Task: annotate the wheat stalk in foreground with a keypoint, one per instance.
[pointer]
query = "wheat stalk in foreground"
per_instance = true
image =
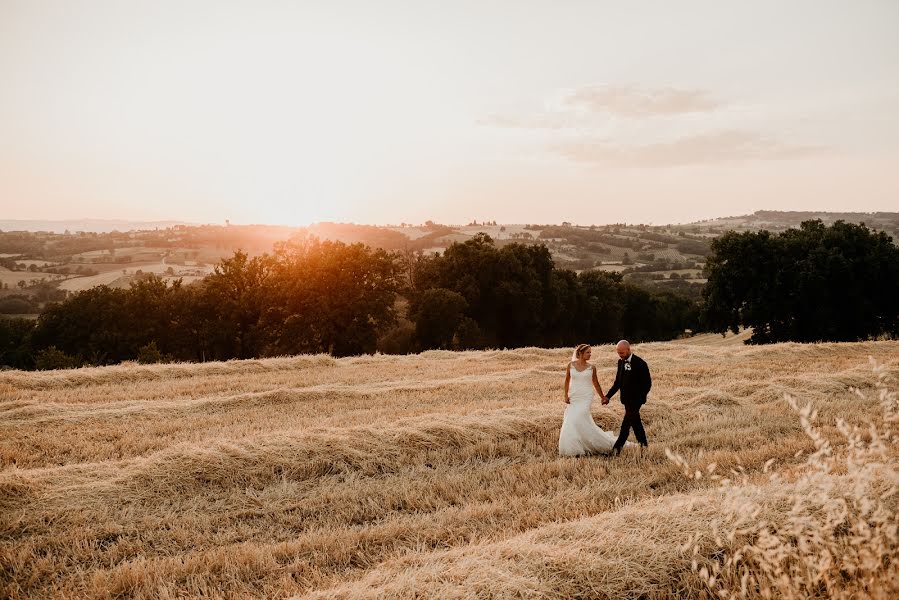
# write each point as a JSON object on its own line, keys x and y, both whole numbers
{"x": 830, "y": 533}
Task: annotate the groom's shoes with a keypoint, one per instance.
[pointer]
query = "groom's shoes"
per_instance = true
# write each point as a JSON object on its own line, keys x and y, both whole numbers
{"x": 616, "y": 451}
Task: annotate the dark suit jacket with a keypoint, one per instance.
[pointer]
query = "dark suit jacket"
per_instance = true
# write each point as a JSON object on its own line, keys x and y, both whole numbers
{"x": 634, "y": 384}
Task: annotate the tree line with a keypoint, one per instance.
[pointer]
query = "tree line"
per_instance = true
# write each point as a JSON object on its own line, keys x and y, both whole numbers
{"x": 311, "y": 296}
{"x": 815, "y": 283}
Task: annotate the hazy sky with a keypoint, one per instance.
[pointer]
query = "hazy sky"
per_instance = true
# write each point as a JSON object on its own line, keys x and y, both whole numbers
{"x": 373, "y": 111}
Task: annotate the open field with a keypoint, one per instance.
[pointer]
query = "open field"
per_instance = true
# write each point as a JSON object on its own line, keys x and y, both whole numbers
{"x": 413, "y": 233}
{"x": 12, "y": 278}
{"x": 30, "y": 317}
{"x": 432, "y": 475}
{"x": 124, "y": 273}
{"x": 137, "y": 253}
{"x": 37, "y": 263}
{"x": 497, "y": 232}
{"x": 110, "y": 278}
{"x": 610, "y": 268}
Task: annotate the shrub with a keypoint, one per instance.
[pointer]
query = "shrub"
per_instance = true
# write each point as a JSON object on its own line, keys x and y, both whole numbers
{"x": 468, "y": 335}
{"x": 51, "y": 358}
{"x": 16, "y": 306}
{"x": 150, "y": 354}
{"x": 398, "y": 340}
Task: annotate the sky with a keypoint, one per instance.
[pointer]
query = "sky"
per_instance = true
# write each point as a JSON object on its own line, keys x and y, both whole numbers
{"x": 387, "y": 112}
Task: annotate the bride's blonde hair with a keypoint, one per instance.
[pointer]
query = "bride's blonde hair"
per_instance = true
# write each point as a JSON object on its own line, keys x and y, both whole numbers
{"x": 578, "y": 351}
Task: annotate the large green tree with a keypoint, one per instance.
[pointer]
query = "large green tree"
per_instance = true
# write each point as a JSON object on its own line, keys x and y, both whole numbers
{"x": 15, "y": 343}
{"x": 508, "y": 289}
{"x": 815, "y": 283}
{"x": 330, "y": 297}
{"x": 231, "y": 306}
{"x": 438, "y": 314}
{"x": 607, "y": 306}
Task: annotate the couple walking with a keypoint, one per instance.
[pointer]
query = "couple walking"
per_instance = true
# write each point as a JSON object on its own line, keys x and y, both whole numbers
{"x": 579, "y": 434}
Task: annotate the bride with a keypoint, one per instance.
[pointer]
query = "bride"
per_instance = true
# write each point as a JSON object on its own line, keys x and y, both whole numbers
{"x": 579, "y": 434}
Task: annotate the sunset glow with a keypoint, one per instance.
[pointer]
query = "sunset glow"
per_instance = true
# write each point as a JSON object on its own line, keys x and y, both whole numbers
{"x": 290, "y": 113}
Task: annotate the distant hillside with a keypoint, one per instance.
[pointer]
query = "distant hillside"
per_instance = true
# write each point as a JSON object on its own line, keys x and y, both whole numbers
{"x": 37, "y": 256}
{"x": 92, "y": 225}
{"x": 774, "y": 220}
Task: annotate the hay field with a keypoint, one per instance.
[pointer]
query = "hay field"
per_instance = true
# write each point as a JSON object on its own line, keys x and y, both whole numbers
{"x": 437, "y": 475}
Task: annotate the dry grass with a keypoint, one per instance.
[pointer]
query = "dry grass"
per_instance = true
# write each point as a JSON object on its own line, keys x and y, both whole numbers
{"x": 436, "y": 475}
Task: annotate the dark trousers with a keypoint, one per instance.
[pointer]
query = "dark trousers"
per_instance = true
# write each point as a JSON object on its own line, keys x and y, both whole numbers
{"x": 631, "y": 419}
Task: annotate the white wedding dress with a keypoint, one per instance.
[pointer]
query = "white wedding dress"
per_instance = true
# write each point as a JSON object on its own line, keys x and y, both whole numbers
{"x": 579, "y": 434}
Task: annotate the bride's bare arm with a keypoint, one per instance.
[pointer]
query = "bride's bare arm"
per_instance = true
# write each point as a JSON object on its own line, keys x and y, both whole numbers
{"x": 597, "y": 386}
{"x": 567, "y": 382}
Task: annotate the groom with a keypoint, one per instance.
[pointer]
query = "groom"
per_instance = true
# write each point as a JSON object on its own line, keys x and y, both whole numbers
{"x": 634, "y": 381}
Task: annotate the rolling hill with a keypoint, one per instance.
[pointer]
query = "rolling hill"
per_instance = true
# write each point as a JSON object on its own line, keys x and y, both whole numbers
{"x": 650, "y": 255}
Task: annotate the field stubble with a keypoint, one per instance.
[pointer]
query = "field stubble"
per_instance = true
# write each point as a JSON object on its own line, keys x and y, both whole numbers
{"x": 427, "y": 475}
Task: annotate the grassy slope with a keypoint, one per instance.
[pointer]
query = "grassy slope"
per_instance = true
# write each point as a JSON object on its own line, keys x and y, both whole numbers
{"x": 381, "y": 476}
